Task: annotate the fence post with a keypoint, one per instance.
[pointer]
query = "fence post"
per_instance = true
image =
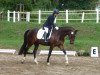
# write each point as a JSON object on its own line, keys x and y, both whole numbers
{"x": 28, "y": 16}
{"x": 18, "y": 15}
{"x": 66, "y": 16}
{"x": 14, "y": 16}
{"x": 8, "y": 16}
{"x": 97, "y": 17}
{"x": 82, "y": 17}
{"x": 39, "y": 18}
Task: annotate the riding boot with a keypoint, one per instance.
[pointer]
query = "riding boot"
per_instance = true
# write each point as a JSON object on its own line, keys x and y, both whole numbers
{"x": 45, "y": 37}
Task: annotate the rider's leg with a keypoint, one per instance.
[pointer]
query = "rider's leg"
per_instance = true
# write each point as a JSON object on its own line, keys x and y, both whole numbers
{"x": 45, "y": 34}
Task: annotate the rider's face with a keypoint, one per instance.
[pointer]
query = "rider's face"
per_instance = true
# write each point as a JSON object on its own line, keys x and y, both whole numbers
{"x": 56, "y": 14}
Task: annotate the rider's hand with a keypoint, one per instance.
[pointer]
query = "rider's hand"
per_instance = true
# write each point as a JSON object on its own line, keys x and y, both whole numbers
{"x": 56, "y": 28}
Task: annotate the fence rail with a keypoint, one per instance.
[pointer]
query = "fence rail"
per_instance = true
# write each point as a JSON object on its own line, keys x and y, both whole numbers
{"x": 17, "y": 15}
{"x": 66, "y": 16}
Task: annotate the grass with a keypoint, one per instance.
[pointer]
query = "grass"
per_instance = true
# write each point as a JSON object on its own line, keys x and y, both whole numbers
{"x": 11, "y": 35}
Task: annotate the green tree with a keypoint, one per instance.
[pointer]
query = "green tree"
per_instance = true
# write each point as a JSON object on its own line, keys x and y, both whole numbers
{"x": 45, "y": 4}
{"x": 77, "y": 4}
{"x": 11, "y": 4}
{"x": 49, "y": 4}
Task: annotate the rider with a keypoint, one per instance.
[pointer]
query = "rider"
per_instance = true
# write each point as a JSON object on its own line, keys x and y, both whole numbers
{"x": 49, "y": 24}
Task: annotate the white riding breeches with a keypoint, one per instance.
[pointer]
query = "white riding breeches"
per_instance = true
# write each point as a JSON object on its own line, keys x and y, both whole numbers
{"x": 46, "y": 29}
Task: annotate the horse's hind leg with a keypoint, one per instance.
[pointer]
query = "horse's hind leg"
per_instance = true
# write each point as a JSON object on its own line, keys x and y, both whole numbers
{"x": 25, "y": 52}
{"x": 34, "y": 53}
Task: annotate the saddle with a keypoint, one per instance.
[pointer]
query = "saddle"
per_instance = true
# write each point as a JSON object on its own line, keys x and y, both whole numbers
{"x": 40, "y": 34}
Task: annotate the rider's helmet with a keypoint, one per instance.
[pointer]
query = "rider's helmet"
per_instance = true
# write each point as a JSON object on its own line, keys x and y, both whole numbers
{"x": 55, "y": 11}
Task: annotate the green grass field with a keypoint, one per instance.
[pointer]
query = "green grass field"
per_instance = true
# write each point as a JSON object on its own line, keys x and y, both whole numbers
{"x": 11, "y": 35}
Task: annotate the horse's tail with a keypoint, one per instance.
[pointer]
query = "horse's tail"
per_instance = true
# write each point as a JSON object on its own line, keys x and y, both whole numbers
{"x": 21, "y": 51}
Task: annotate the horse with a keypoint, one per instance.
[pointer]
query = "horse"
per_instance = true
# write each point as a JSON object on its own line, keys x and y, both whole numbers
{"x": 56, "y": 40}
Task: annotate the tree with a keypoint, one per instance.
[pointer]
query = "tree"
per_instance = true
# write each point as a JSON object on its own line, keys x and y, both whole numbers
{"x": 45, "y": 4}
{"x": 77, "y": 4}
{"x": 11, "y": 4}
{"x": 49, "y": 4}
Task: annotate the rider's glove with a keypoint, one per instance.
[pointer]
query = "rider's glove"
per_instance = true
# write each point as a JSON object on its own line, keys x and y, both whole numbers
{"x": 56, "y": 28}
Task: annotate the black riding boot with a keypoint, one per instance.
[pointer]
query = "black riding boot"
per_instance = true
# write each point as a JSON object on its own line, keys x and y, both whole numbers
{"x": 45, "y": 37}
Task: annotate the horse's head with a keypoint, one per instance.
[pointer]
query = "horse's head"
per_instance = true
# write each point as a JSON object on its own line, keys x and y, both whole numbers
{"x": 72, "y": 35}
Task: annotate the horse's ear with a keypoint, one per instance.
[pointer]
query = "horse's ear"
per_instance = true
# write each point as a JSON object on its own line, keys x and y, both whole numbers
{"x": 76, "y": 31}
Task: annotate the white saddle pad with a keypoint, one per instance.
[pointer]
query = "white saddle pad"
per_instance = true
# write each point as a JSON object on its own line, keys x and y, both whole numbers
{"x": 41, "y": 33}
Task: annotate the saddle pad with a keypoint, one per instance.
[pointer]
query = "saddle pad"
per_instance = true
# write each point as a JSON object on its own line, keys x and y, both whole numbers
{"x": 40, "y": 34}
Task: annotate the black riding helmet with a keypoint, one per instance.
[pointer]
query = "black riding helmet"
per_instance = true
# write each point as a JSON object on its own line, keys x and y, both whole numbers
{"x": 55, "y": 11}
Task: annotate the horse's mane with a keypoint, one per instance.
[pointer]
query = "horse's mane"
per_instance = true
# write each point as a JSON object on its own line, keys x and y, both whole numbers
{"x": 67, "y": 27}
{"x": 63, "y": 31}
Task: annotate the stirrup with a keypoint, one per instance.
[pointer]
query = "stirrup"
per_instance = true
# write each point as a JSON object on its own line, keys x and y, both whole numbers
{"x": 45, "y": 40}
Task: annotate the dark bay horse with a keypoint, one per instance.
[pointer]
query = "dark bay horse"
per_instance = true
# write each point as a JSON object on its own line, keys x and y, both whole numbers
{"x": 57, "y": 39}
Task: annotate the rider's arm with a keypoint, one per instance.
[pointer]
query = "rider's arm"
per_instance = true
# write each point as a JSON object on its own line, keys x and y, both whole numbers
{"x": 51, "y": 20}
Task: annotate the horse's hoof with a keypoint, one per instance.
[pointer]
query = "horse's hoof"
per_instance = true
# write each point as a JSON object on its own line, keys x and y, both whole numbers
{"x": 66, "y": 63}
{"x": 22, "y": 62}
{"x": 48, "y": 64}
{"x": 35, "y": 60}
{"x": 37, "y": 63}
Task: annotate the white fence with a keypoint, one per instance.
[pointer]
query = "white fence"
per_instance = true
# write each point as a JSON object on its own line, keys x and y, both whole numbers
{"x": 16, "y": 16}
{"x": 55, "y": 52}
{"x": 65, "y": 16}
{"x": 8, "y": 51}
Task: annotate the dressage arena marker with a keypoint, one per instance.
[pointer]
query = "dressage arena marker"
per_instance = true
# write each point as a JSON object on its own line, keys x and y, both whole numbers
{"x": 74, "y": 53}
{"x": 8, "y": 51}
{"x": 94, "y": 52}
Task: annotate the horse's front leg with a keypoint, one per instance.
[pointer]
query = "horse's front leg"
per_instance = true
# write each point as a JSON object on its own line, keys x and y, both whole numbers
{"x": 34, "y": 53}
{"x": 66, "y": 57}
{"x": 49, "y": 54}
